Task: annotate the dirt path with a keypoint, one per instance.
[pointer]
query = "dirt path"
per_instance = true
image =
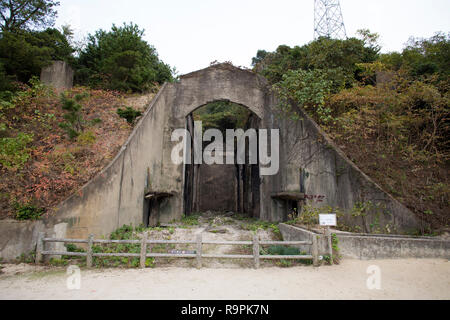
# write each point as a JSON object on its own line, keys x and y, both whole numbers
{"x": 400, "y": 279}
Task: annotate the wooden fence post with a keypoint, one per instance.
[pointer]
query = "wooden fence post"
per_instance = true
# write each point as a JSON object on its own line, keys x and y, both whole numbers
{"x": 330, "y": 245}
{"x": 199, "y": 251}
{"x": 40, "y": 247}
{"x": 256, "y": 250}
{"x": 315, "y": 251}
{"x": 89, "y": 251}
{"x": 144, "y": 250}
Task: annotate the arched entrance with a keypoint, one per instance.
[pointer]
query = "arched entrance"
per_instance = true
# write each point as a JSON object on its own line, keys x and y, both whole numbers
{"x": 222, "y": 186}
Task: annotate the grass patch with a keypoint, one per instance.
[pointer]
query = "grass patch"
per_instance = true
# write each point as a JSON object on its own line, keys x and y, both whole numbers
{"x": 190, "y": 220}
{"x": 255, "y": 225}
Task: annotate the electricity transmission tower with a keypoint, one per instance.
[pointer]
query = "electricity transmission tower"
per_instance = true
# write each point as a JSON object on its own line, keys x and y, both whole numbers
{"x": 328, "y": 20}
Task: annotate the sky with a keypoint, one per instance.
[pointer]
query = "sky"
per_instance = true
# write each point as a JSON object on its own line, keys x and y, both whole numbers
{"x": 190, "y": 34}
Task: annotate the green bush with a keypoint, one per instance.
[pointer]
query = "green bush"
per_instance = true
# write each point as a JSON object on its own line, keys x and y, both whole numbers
{"x": 124, "y": 233}
{"x": 24, "y": 53}
{"x": 190, "y": 220}
{"x": 423, "y": 57}
{"x": 14, "y": 152}
{"x": 28, "y": 212}
{"x": 323, "y": 54}
{"x": 129, "y": 114}
{"x": 308, "y": 89}
{"x": 24, "y": 15}
{"x": 87, "y": 138}
{"x": 74, "y": 124}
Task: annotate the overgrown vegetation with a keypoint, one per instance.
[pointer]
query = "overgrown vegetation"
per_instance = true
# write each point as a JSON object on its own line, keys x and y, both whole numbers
{"x": 254, "y": 225}
{"x": 388, "y": 112}
{"x": 118, "y": 59}
{"x": 124, "y": 233}
{"x": 29, "y": 257}
{"x": 191, "y": 220}
{"x": 121, "y": 60}
{"x": 129, "y": 114}
{"x": 28, "y": 212}
{"x": 39, "y": 163}
{"x": 39, "y": 167}
{"x": 222, "y": 115}
{"x": 74, "y": 124}
{"x": 14, "y": 152}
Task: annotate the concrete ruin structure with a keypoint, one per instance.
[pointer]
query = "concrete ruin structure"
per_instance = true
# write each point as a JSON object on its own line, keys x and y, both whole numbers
{"x": 142, "y": 185}
{"x": 58, "y": 75}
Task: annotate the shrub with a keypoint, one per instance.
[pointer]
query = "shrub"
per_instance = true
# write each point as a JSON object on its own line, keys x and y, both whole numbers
{"x": 87, "y": 138}
{"x": 74, "y": 124}
{"x": 14, "y": 152}
{"x": 190, "y": 220}
{"x": 28, "y": 212}
{"x": 308, "y": 89}
{"x": 323, "y": 54}
{"x": 129, "y": 114}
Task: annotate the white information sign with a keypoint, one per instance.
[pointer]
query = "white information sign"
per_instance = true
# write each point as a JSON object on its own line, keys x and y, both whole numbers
{"x": 328, "y": 220}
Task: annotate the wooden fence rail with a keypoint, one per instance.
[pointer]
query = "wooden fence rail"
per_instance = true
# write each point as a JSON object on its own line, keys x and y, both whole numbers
{"x": 198, "y": 255}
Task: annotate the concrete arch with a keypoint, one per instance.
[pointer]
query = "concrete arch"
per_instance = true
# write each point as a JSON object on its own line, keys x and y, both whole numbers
{"x": 239, "y": 86}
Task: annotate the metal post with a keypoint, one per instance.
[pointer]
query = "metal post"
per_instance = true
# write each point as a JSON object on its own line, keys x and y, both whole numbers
{"x": 89, "y": 251}
{"x": 144, "y": 250}
{"x": 256, "y": 250}
{"x": 199, "y": 251}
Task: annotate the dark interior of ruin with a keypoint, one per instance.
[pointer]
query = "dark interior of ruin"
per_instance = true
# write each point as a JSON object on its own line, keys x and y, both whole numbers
{"x": 223, "y": 187}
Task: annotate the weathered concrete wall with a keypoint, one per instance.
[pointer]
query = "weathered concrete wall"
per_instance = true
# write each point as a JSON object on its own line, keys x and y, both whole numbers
{"x": 217, "y": 188}
{"x": 59, "y": 75}
{"x": 324, "y": 170}
{"x": 371, "y": 247}
{"x": 116, "y": 196}
{"x": 17, "y": 238}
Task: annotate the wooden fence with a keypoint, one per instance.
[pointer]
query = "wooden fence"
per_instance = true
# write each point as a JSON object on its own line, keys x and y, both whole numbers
{"x": 198, "y": 255}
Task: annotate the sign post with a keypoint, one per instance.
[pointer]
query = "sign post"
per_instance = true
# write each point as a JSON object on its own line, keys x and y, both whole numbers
{"x": 327, "y": 220}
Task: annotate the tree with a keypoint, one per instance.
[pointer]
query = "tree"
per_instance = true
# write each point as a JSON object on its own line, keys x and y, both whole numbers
{"x": 24, "y": 53}
{"x": 309, "y": 90}
{"x": 371, "y": 40}
{"x": 428, "y": 56}
{"x": 121, "y": 60}
{"x": 23, "y": 14}
{"x": 341, "y": 56}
